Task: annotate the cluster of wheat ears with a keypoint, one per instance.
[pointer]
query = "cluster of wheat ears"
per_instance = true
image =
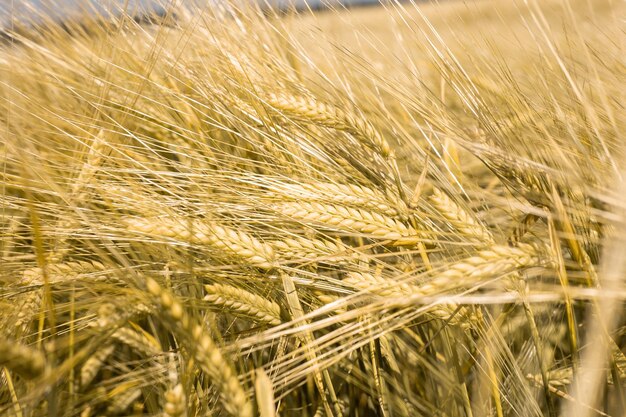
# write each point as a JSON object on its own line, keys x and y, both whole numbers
{"x": 408, "y": 210}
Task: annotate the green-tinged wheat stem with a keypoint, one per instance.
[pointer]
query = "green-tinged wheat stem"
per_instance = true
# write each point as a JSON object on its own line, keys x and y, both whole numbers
{"x": 243, "y": 303}
{"x": 205, "y": 352}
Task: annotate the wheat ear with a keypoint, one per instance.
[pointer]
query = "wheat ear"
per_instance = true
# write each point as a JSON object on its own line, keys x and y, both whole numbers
{"x": 235, "y": 242}
{"x": 382, "y": 287}
{"x": 79, "y": 189}
{"x": 304, "y": 250}
{"x": 122, "y": 397}
{"x": 92, "y": 366}
{"x": 25, "y": 361}
{"x": 62, "y": 271}
{"x": 90, "y": 167}
{"x": 137, "y": 341}
{"x": 461, "y": 316}
{"x": 495, "y": 261}
{"x": 33, "y": 277}
{"x": 460, "y": 219}
{"x": 205, "y": 352}
{"x": 330, "y": 116}
{"x": 352, "y": 220}
{"x": 243, "y": 303}
{"x": 175, "y": 402}
{"x": 348, "y": 195}
{"x": 29, "y": 306}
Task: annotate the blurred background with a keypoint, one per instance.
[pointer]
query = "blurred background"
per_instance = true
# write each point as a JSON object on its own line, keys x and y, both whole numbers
{"x": 33, "y": 12}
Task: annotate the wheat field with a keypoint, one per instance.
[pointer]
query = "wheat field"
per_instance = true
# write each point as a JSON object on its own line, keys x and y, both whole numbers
{"x": 401, "y": 210}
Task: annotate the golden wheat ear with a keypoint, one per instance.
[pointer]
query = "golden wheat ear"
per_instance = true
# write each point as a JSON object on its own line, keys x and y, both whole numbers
{"x": 23, "y": 360}
{"x": 204, "y": 350}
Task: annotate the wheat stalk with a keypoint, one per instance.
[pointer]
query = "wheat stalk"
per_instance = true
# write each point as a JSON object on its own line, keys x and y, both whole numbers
{"x": 228, "y": 150}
